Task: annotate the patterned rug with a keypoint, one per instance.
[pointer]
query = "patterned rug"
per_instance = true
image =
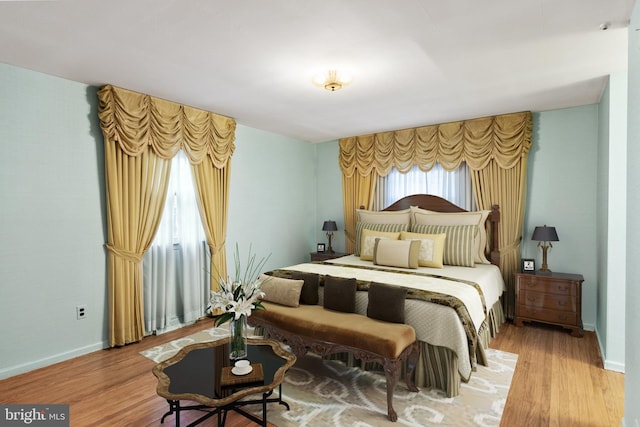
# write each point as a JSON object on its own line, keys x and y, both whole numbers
{"x": 323, "y": 393}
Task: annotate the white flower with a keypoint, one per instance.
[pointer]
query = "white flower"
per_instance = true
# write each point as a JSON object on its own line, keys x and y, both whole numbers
{"x": 242, "y": 307}
{"x": 241, "y": 295}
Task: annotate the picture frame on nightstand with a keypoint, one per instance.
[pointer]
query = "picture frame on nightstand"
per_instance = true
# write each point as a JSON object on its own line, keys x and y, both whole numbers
{"x": 528, "y": 266}
{"x": 321, "y": 247}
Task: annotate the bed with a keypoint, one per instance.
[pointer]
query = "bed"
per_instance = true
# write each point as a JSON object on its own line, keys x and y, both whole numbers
{"x": 455, "y": 309}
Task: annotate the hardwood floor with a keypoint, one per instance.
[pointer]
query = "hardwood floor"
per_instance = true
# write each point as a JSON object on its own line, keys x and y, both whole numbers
{"x": 559, "y": 381}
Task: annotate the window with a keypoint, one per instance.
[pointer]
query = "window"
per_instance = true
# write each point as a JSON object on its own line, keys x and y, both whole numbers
{"x": 175, "y": 269}
{"x": 455, "y": 186}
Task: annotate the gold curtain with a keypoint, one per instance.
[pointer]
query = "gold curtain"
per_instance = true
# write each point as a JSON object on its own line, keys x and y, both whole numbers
{"x": 506, "y": 188}
{"x": 212, "y": 186}
{"x": 495, "y": 149}
{"x": 134, "y": 211}
{"x": 141, "y": 135}
{"x": 357, "y": 190}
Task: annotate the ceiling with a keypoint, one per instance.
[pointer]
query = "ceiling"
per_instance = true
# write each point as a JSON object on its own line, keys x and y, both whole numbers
{"x": 413, "y": 62}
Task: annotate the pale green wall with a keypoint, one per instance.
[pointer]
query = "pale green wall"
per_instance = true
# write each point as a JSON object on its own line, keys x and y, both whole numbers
{"x": 561, "y": 192}
{"x": 51, "y": 221}
{"x": 272, "y": 197}
{"x": 329, "y": 188}
{"x": 611, "y": 220}
{"x": 52, "y": 215}
{"x": 632, "y": 296}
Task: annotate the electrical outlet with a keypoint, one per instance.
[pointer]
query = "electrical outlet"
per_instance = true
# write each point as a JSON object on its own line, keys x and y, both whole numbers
{"x": 81, "y": 311}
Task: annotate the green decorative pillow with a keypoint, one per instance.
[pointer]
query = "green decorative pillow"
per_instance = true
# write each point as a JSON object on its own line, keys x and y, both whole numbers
{"x": 281, "y": 291}
{"x": 387, "y": 228}
{"x": 478, "y": 218}
{"x": 459, "y": 246}
{"x": 340, "y": 294}
{"x": 309, "y": 294}
{"x": 396, "y": 253}
{"x": 386, "y": 302}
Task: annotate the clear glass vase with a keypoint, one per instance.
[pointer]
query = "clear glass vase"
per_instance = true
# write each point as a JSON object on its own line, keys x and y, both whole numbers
{"x": 238, "y": 340}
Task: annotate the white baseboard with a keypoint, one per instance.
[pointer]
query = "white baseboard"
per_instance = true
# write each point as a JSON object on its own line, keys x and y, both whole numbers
{"x": 608, "y": 364}
{"x": 60, "y": 357}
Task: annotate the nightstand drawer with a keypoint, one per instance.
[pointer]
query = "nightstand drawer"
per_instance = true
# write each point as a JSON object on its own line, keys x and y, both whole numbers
{"x": 550, "y": 298}
{"x": 558, "y": 287}
{"x": 548, "y": 301}
{"x": 553, "y": 316}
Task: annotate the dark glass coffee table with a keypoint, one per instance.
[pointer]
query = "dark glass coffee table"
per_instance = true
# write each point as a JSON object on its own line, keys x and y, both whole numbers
{"x": 194, "y": 374}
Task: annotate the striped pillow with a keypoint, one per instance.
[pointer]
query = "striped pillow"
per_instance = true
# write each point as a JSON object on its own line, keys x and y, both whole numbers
{"x": 387, "y": 228}
{"x": 459, "y": 246}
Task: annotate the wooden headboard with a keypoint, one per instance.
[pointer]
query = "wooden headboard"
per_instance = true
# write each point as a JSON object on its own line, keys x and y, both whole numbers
{"x": 438, "y": 204}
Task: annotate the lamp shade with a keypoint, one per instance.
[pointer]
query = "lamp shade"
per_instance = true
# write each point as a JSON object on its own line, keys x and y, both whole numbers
{"x": 545, "y": 234}
{"x": 329, "y": 226}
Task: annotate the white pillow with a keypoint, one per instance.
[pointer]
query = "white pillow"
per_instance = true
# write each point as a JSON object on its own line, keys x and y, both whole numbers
{"x": 383, "y": 217}
{"x": 478, "y": 218}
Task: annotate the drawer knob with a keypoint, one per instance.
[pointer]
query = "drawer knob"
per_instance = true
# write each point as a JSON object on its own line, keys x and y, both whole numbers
{"x": 563, "y": 303}
{"x": 563, "y": 288}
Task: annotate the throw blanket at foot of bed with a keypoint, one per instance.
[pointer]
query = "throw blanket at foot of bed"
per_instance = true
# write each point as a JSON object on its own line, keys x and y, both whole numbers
{"x": 321, "y": 331}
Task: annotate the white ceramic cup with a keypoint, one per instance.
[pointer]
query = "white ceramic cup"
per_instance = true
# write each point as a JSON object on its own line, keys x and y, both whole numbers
{"x": 242, "y": 365}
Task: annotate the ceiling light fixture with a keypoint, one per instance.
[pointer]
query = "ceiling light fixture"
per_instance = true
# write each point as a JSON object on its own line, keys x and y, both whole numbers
{"x": 332, "y": 80}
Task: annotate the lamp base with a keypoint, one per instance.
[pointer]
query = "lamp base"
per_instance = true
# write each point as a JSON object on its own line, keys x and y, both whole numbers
{"x": 330, "y": 249}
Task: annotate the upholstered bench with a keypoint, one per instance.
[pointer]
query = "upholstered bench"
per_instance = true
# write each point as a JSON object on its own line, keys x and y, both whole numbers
{"x": 324, "y": 331}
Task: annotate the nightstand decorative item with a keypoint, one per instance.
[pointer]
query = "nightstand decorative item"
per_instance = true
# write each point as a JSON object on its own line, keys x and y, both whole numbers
{"x": 545, "y": 235}
{"x": 528, "y": 266}
{"x": 554, "y": 298}
{"x": 329, "y": 226}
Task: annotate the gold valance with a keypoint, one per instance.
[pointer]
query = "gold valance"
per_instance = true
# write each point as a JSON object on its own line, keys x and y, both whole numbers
{"x": 505, "y": 139}
{"x": 135, "y": 121}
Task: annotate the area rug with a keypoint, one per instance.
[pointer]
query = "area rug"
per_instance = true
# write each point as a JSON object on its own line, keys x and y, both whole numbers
{"x": 323, "y": 393}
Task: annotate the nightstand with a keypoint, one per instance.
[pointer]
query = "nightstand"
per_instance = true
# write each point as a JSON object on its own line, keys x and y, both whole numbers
{"x": 554, "y": 298}
{"x": 323, "y": 256}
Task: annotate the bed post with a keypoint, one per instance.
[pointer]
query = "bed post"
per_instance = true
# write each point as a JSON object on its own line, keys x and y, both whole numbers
{"x": 495, "y": 241}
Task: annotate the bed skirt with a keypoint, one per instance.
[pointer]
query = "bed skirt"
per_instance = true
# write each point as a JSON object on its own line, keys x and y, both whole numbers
{"x": 437, "y": 366}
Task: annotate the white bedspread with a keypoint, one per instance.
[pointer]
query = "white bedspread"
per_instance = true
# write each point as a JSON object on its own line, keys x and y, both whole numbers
{"x": 488, "y": 276}
{"x": 434, "y": 323}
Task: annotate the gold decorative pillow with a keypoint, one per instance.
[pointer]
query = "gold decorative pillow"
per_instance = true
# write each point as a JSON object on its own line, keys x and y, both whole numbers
{"x": 387, "y": 228}
{"x": 431, "y": 248}
{"x": 368, "y": 242}
{"x": 281, "y": 291}
{"x": 396, "y": 253}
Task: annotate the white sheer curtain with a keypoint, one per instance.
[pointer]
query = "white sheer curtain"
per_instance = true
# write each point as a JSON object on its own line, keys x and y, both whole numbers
{"x": 455, "y": 186}
{"x": 175, "y": 269}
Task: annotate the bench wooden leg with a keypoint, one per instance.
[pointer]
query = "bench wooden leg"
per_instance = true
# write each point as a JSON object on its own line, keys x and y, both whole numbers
{"x": 392, "y": 369}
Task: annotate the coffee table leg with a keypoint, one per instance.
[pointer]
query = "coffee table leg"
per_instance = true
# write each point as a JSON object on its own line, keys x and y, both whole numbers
{"x": 280, "y": 401}
{"x": 174, "y": 408}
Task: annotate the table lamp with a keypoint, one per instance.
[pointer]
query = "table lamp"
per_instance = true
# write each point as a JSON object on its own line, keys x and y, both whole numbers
{"x": 544, "y": 236}
{"x": 329, "y": 227}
